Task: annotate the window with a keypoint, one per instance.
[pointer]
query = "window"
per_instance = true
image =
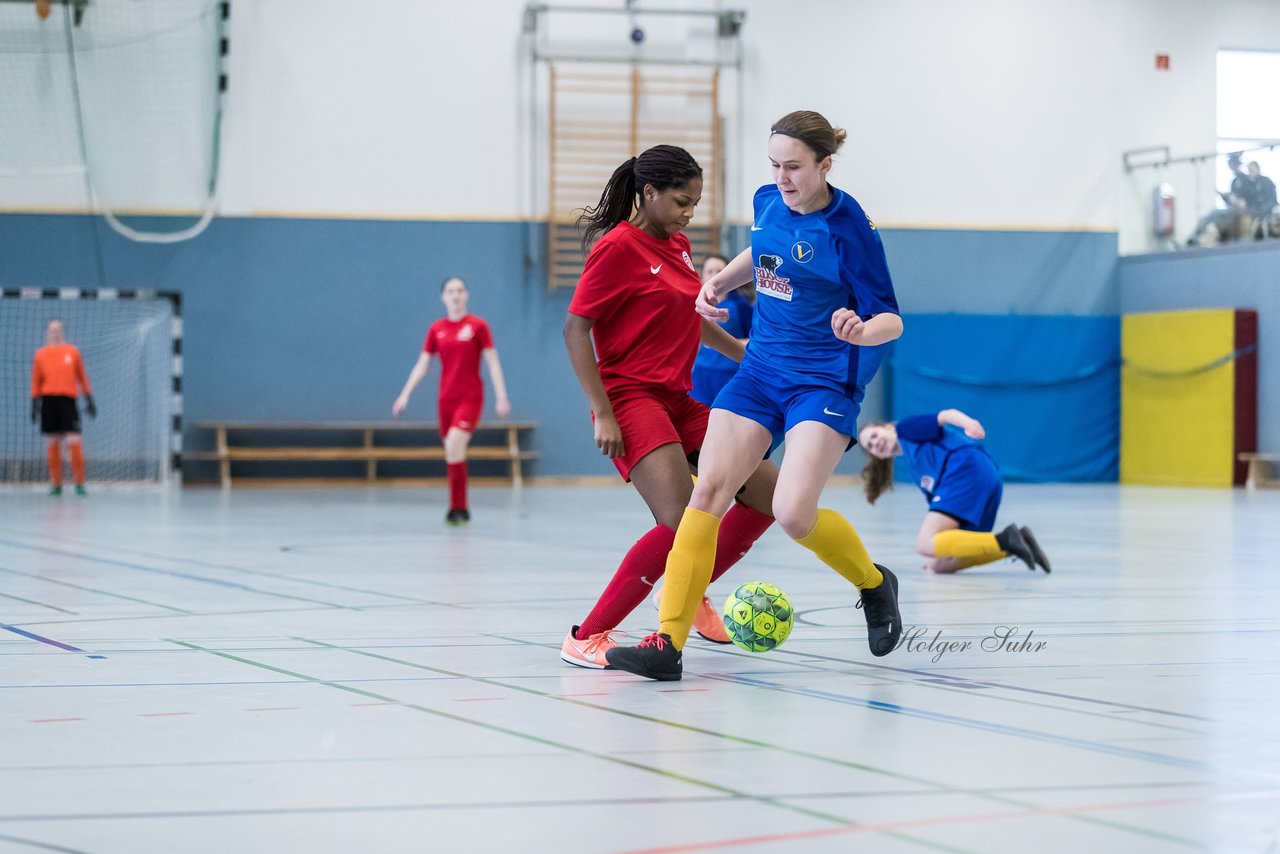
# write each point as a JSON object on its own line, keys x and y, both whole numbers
{"x": 1248, "y": 111}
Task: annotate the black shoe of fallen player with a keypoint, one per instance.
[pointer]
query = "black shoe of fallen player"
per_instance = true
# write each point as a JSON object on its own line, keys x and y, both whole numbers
{"x": 880, "y": 606}
{"x": 655, "y": 657}
{"x": 1036, "y": 551}
{"x": 1014, "y": 544}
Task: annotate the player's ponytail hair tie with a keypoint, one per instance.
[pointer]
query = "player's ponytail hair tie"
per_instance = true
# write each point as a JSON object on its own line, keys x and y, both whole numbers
{"x": 661, "y": 167}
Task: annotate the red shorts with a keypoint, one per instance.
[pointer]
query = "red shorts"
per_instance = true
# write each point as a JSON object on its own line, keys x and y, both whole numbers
{"x": 648, "y": 421}
{"x": 463, "y": 414}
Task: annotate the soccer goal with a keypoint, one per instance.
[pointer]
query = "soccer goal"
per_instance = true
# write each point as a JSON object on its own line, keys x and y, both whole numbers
{"x": 131, "y": 343}
{"x": 114, "y": 106}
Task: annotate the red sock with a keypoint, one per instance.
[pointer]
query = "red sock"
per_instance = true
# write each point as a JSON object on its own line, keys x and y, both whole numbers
{"x": 739, "y": 530}
{"x": 77, "y": 462}
{"x": 634, "y": 580}
{"x": 457, "y": 486}
{"x": 55, "y": 463}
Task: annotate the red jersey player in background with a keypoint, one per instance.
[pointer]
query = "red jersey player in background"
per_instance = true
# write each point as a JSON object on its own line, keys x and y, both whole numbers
{"x": 57, "y": 374}
{"x": 459, "y": 339}
{"x": 635, "y": 302}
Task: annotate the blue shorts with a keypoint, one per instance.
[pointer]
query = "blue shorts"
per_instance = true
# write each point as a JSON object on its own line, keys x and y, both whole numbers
{"x": 969, "y": 490}
{"x": 778, "y": 407}
{"x": 708, "y": 381}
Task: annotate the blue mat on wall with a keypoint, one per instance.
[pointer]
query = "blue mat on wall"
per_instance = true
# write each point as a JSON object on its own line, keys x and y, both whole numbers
{"x": 1046, "y": 388}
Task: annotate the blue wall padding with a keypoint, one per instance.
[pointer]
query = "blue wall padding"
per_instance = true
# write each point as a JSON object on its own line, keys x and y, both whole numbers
{"x": 1047, "y": 389}
{"x": 321, "y": 319}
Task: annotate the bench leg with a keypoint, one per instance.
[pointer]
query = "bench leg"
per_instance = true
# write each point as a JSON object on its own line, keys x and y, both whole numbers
{"x": 224, "y": 460}
{"x": 513, "y": 448}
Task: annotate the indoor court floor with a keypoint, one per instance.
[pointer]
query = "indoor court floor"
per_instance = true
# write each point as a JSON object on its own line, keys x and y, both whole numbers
{"x": 335, "y": 671}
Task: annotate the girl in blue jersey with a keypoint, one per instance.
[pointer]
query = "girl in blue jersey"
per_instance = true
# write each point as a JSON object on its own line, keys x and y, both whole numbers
{"x": 824, "y": 303}
{"x": 960, "y": 481}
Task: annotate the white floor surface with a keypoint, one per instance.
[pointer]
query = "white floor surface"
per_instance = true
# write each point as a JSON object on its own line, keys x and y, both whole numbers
{"x": 335, "y": 671}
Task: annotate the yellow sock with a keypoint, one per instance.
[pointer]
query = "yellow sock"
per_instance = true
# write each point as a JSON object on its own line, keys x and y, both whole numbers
{"x": 837, "y": 545}
{"x": 689, "y": 565}
{"x": 970, "y": 547}
{"x": 976, "y": 560}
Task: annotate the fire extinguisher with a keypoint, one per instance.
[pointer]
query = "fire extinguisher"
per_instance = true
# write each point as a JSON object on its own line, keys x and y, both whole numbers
{"x": 1163, "y": 200}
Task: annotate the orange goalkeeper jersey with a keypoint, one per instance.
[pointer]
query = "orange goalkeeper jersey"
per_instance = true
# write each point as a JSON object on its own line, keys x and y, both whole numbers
{"x": 57, "y": 369}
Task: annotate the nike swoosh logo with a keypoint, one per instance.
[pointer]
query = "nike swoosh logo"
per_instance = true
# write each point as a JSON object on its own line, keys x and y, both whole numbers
{"x": 646, "y": 581}
{"x": 655, "y": 270}
{"x": 755, "y": 227}
{"x": 829, "y": 412}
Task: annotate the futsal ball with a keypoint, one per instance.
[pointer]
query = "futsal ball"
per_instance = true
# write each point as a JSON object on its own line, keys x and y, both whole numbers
{"x": 758, "y": 616}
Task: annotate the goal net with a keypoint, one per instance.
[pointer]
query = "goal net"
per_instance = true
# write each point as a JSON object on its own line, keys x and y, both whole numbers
{"x": 114, "y": 105}
{"x": 130, "y": 343}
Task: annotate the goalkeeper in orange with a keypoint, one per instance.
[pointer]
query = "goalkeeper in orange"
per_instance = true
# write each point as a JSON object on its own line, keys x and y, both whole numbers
{"x": 57, "y": 375}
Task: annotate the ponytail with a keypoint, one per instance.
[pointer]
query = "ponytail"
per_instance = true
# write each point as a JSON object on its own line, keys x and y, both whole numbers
{"x": 877, "y": 478}
{"x": 615, "y": 205}
{"x": 661, "y": 167}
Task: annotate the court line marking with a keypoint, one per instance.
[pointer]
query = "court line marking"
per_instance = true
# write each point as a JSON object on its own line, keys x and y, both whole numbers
{"x": 617, "y": 760}
{"x": 946, "y": 820}
{"x": 90, "y": 590}
{"x": 186, "y": 576}
{"x": 236, "y": 613}
{"x": 35, "y": 637}
{"x": 47, "y": 846}
{"x": 999, "y": 685}
{"x": 933, "y": 784}
{"x": 962, "y": 683}
{"x": 41, "y": 604}
{"x": 54, "y": 720}
{"x": 275, "y": 575}
{"x": 973, "y": 723}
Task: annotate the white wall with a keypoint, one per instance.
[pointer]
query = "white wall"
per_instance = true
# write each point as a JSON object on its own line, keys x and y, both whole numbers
{"x": 963, "y": 113}
{"x": 974, "y": 113}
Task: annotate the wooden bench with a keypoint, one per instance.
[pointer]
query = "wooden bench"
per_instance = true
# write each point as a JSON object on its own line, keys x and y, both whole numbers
{"x": 1262, "y": 470}
{"x": 365, "y": 442}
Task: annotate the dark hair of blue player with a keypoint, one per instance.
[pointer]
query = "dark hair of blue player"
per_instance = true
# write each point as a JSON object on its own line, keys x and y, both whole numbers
{"x": 813, "y": 130}
{"x": 661, "y": 167}
{"x": 449, "y": 279}
{"x": 877, "y": 475}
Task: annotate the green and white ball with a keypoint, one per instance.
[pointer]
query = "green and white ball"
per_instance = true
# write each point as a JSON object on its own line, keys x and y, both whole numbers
{"x": 758, "y": 616}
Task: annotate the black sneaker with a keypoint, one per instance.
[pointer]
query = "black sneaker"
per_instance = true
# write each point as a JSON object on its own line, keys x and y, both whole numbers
{"x": 1036, "y": 551}
{"x": 457, "y": 516}
{"x": 1014, "y": 544}
{"x": 655, "y": 657}
{"x": 880, "y": 606}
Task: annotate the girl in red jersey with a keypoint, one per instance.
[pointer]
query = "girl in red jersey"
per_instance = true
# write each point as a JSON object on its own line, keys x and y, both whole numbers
{"x": 57, "y": 373}
{"x": 634, "y": 304}
{"x": 460, "y": 339}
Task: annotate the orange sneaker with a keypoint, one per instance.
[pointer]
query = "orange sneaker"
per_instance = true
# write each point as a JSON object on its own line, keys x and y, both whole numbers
{"x": 589, "y": 652}
{"x": 708, "y": 624}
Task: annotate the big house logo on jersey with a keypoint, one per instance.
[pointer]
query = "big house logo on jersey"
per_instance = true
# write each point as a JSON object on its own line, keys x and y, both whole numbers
{"x": 768, "y": 282}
